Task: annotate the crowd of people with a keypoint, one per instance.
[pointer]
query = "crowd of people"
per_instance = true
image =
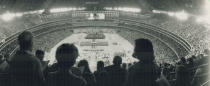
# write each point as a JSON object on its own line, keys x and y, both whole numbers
{"x": 193, "y": 32}
{"x": 26, "y": 69}
{"x": 185, "y": 29}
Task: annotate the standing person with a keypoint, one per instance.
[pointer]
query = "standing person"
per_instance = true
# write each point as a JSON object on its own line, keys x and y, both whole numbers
{"x": 40, "y": 55}
{"x": 145, "y": 72}
{"x": 66, "y": 56}
{"x": 116, "y": 74}
{"x": 44, "y": 64}
{"x": 124, "y": 66}
{"x": 25, "y": 68}
{"x": 86, "y": 73}
{"x": 101, "y": 74}
{"x": 4, "y": 66}
{"x": 1, "y": 62}
{"x": 182, "y": 74}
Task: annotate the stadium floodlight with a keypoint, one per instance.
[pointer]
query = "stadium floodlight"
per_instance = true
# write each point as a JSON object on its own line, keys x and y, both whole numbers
{"x": 127, "y": 9}
{"x": 56, "y": 10}
{"x": 182, "y": 15}
{"x": 206, "y": 7}
{"x": 7, "y": 16}
{"x": 130, "y": 9}
{"x": 18, "y": 14}
{"x": 10, "y": 16}
{"x": 171, "y": 14}
{"x": 204, "y": 18}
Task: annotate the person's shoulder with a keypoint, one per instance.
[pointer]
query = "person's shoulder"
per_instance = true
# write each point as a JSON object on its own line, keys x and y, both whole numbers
{"x": 108, "y": 68}
{"x": 134, "y": 67}
{"x": 181, "y": 68}
{"x": 78, "y": 80}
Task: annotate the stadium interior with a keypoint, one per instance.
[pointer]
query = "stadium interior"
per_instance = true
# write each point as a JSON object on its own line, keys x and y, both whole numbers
{"x": 103, "y": 29}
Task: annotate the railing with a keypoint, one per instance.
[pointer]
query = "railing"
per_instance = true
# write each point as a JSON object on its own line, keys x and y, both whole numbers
{"x": 207, "y": 83}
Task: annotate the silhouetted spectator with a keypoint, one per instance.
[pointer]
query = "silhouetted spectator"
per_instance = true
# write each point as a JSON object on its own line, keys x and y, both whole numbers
{"x": 101, "y": 74}
{"x": 86, "y": 73}
{"x": 54, "y": 67}
{"x": 1, "y": 58}
{"x": 145, "y": 72}
{"x": 166, "y": 70}
{"x": 6, "y": 57}
{"x": 129, "y": 65}
{"x": 4, "y": 66}
{"x": 40, "y": 55}
{"x": 1, "y": 62}
{"x": 182, "y": 74}
{"x": 66, "y": 56}
{"x": 76, "y": 71}
{"x": 25, "y": 68}
{"x": 191, "y": 69}
{"x": 124, "y": 66}
{"x": 116, "y": 74}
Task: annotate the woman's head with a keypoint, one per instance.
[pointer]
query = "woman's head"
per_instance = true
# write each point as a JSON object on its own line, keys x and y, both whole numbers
{"x": 84, "y": 63}
{"x": 100, "y": 65}
{"x": 66, "y": 55}
{"x": 144, "y": 50}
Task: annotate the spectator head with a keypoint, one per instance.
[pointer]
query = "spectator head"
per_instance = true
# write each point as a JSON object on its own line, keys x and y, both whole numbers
{"x": 183, "y": 60}
{"x": 1, "y": 57}
{"x": 40, "y": 54}
{"x": 129, "y": 65}
{"x": 84, "y": 63}
{"x": 117, "y": 60}
{"x": 124, "y": 66}
{"x": 25, "y": 40}
{"x": 190, "y": 60}
{"x": 7, "y": 56}
{"x": 144, "y": 50}
{"x": 66, "y": 55}
{"x": 100, "y": 65}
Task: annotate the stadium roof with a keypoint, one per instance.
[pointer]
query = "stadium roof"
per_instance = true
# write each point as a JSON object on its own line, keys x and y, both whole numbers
{"x": 146, "y": 5}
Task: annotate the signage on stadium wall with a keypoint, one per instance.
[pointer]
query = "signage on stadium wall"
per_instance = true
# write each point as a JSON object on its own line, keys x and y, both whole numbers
{"x": 96, "y": 16}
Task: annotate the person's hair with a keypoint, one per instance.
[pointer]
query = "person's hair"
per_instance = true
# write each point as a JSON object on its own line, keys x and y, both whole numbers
{"x": 145, "y": 47}
{"x": 66, "y": 55}
{"x": 25, "y": 40}
{"x": 100, "y": 65}
{"x": 124, "y": 65}
{"x": 117, "y": 60}
{"x": 191, "y": 61}
{"x": 6, "y": 56}
{"x": 85, "y": 64}
{"x": 40, "y": 52}
{"x": 183, "y": 59}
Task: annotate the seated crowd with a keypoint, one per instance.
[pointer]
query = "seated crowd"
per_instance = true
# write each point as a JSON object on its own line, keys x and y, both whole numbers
{"x": 27, "y": 69}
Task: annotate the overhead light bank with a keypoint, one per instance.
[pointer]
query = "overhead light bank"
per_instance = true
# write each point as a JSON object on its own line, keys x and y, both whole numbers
{"x": 127, "y": 9}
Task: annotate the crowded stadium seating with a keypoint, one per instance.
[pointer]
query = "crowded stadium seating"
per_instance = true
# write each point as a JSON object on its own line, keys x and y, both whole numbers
{"x": 174, "y": 38}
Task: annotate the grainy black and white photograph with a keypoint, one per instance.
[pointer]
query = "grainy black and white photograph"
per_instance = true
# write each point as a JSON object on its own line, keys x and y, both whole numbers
{"x": 104, "y": 42}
